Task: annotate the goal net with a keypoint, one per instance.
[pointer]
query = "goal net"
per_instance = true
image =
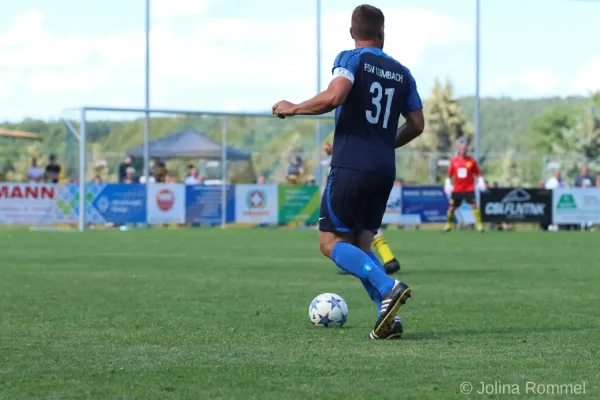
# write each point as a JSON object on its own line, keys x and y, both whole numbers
{"x": 197, "y": 169}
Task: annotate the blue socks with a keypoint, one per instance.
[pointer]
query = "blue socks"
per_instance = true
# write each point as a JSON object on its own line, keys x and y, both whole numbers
{"x": 356, "y": 262}
{"x": 373, "y": 293}
{"x": 376, "y": 260}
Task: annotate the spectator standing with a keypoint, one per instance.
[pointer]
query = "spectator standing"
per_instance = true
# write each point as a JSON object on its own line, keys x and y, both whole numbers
{"x": 159, "y": 170}
{"x": 192, "y": 176}
{"x": 585, "y": 180}
{"x": 130, "y": 176}
{"x": 555, "y": 181}
{"x": 295, "y": 171}
{"x": 127, "y": 161}
{"x": 170, "y": 178}
{"x": 52, "y": 172}
{"x": 34, "y": 173}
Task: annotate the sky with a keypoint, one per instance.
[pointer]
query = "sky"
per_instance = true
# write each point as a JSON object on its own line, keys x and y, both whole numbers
{"x": 244, "y": 55}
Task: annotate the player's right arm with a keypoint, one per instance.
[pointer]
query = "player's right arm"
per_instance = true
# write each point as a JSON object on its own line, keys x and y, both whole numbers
{"x": 413, "y": 114}
{"x": 448, "y": 188}
{"x": 344, "y": 69}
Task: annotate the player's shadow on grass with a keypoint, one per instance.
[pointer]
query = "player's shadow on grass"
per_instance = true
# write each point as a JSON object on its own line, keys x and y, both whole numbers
{"x": 474, "y": 332}
{"x": 450, "y": 271}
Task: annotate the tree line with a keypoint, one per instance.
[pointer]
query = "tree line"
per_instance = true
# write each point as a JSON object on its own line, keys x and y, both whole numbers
{"x": 515, "y": 136}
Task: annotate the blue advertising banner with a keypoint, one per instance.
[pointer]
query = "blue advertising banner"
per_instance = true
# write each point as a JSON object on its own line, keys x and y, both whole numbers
{"x": 430, "y": 203}
{"x": 120, "y": 203}
{"x": 203, "y": 204}
{"x": 116, "y": 203}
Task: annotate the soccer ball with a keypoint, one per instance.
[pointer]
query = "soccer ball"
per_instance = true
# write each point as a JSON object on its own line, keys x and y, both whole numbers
{"x": 328, "y": 310}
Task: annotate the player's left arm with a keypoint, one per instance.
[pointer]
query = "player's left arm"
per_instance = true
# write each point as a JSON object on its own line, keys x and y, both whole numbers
{"x": 479, "y": 177}
{"x": 344, "y": 69}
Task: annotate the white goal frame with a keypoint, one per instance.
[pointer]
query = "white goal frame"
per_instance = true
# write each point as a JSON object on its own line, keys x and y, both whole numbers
{"x": 223, "y": 116}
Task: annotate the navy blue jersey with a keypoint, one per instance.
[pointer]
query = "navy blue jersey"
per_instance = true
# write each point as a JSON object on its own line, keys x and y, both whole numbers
{"x": 367, "y": 122}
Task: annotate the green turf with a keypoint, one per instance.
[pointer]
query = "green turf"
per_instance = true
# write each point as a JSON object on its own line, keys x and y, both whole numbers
{"x": 208, "y": 314}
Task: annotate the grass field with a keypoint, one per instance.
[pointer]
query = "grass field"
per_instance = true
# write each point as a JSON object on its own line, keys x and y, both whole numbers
{"x": 213, "y": 314}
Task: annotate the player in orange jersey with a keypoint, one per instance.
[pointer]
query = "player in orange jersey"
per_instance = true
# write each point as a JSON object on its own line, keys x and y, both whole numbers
{"x": 463, "y": 176}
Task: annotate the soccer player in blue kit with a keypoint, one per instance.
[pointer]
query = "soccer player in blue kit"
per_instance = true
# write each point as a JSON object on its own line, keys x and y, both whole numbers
{"x": 369, "y": 91}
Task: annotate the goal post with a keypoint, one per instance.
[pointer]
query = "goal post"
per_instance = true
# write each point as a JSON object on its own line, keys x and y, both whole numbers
{"x": 269, "y": 142}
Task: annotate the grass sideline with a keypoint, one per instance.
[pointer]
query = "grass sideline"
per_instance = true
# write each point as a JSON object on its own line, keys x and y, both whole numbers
{"x": 223, "y": 314}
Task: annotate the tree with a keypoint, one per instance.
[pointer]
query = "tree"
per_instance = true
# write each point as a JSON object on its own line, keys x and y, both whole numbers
{"x": 513, "y": 172}
{"x": 505, "y": 123}
{"x": 444, "y": 124}
{"x": 22, "y": 164}
{"x": 547, "y": 129}
{"x": 574, "y": 137}
{"x": 444, "y": 121}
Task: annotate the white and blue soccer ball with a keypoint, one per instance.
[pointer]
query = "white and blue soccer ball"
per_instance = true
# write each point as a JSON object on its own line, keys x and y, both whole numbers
{"x": 328, "y": 310}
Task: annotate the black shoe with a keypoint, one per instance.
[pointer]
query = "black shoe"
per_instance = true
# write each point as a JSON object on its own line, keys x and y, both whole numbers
{"x": 391, "y": 267}
{"x": 395, "y": 333}
{"x": 397, "y": 329}
{"x": 390, "y": 303}
{"x": 342, "y": 272}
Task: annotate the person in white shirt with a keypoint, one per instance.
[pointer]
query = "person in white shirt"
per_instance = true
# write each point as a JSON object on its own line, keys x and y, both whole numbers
{"x": 192, "y": 176}
{"x": 144, "y": 181}
{"x": 555, "y": 181}
{"x": 34, "y": 173}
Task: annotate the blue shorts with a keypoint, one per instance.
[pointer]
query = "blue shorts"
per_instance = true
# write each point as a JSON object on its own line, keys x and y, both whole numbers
{"x": 354, "y": 201}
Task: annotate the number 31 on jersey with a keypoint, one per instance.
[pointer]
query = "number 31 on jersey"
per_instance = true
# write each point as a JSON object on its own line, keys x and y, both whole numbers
{"x": 377, "y": 90}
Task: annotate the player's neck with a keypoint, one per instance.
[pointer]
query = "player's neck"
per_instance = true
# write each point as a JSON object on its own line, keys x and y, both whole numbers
{"x": 365, "y": 43}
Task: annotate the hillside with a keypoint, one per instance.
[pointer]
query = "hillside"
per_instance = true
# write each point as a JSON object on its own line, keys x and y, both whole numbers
{"x": 505, "y": 124}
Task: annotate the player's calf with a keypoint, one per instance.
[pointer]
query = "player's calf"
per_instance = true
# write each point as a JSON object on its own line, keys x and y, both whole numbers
{"x": 449, "y": 220}
{"x": 477, "y": 216}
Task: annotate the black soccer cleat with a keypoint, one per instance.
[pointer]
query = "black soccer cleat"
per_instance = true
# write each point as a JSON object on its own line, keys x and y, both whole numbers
{"x": 395, "y": 333}
{"x": 397, "y": 329}
{"x": 391, "y": 267}
{"x": 390, "y": 303}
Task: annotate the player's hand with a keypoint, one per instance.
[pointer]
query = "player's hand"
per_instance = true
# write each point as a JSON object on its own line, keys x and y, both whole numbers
{"x": 328, "y": 148}
{"x": 448, "y": 187}
{"x": 482, "y": 185}
{"x": 284, "y": 109}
